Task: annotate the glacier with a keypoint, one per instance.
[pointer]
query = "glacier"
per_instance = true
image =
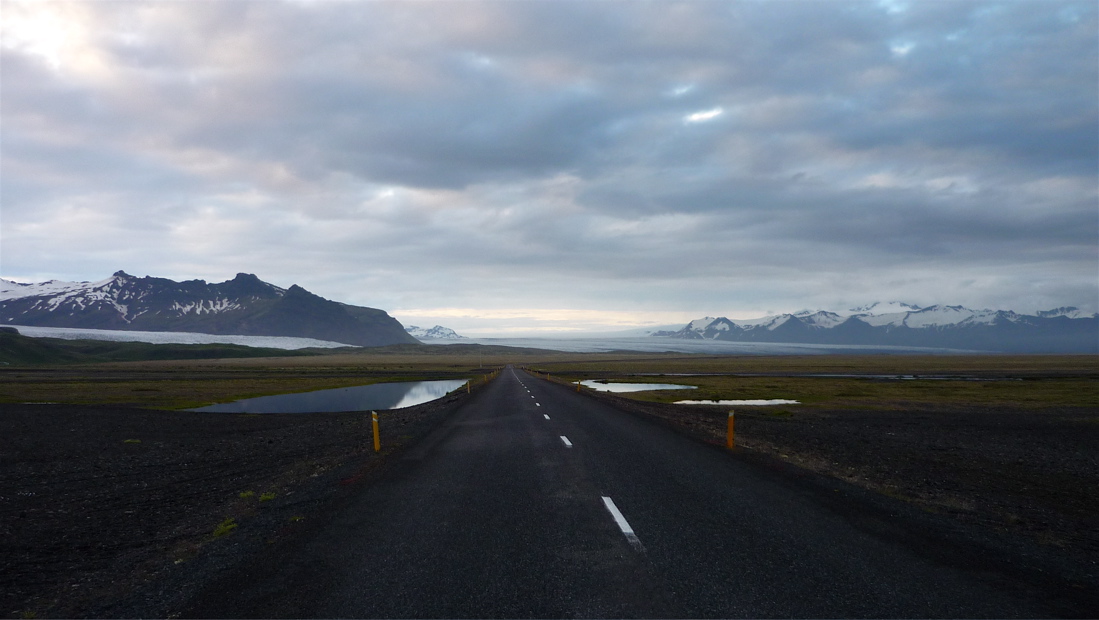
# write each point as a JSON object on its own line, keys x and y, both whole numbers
{"x": 270, "y": 342}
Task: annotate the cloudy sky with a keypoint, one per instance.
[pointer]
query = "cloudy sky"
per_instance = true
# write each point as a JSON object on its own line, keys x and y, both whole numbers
{"x": 527, "y": 166}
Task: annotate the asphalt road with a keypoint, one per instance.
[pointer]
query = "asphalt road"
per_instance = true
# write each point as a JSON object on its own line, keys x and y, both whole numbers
{"x": 535, "y": 501}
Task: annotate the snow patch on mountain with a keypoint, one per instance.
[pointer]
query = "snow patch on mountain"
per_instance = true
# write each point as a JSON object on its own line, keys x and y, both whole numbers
{"x": 435, "y": 333}
{"x": 18, "y": 290}
{"x": 823, "y": 319}
{"x": 699, "y": 325}
{"x": 1070, "y": 312}
{"x": 908, "y": 324}
{"x": 244, "y": 305}
{"x": 889, "y": 307}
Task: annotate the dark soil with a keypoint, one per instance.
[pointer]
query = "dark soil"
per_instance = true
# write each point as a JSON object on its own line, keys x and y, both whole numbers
{"x": 94, "y": 525}
{"x": 97, "y": 503}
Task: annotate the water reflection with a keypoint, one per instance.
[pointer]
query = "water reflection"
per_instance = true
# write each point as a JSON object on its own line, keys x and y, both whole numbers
{"x": 378, "y": 396}
{"x": 603, "y": 386}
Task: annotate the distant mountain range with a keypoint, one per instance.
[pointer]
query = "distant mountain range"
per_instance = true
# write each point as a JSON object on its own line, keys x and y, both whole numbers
{"x": 1063, "y": 330}
{"x": 244, "y": 305}
{"x": 435, "y": 333}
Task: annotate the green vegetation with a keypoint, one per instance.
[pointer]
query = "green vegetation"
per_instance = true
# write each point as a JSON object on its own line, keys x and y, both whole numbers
{"x": 247, "y": 494}
{"x": 1034, "y": 380}
{"x": 131, "y": 441}
{"x": 225, "y": 527}
{"x": 190, "y": 383}
{"x": 266, "y": 497}
{"x": 1018, "y": 381}
{"x": 859, "y": 393}
{"x": 185, "y": 385}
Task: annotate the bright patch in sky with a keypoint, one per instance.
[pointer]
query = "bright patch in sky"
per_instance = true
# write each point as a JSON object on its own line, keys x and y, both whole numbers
{"x": 901, "y": 49}
{"x": 702, "y": 117}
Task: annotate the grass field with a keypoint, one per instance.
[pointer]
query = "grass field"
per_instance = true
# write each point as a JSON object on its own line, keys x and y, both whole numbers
{"x": 1018, "y": 381}
{"x": 988, "y": 380}
{"x": 184, "y": 384}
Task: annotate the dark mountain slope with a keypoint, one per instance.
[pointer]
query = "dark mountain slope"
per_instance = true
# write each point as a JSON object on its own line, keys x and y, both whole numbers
{"x": 244, "y": 305}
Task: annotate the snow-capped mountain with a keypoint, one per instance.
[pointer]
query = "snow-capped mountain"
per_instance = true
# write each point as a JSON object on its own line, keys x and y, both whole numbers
{"x": 1063, "y": 330}
{"x": 1070, "y": 312}
{"x": 435, "y": 333}
{"x": 244, "y": 306}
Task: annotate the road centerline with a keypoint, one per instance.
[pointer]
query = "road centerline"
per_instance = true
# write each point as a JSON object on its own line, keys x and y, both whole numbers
{"x": 565, "y": 440}
{"x": 623, "y": 524}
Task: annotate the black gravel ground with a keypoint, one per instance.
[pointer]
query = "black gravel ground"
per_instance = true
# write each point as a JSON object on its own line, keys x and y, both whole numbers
{"x": 99, "y": 502}
{"x": 106, "y": 511}
{"x": 1026, "y": 480}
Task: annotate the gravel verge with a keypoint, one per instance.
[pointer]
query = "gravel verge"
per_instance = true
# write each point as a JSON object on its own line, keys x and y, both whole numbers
{"x": 119, "y": 512}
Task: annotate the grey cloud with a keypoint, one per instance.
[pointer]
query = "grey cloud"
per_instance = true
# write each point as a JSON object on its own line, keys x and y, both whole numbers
{"x": 834, "y": 153}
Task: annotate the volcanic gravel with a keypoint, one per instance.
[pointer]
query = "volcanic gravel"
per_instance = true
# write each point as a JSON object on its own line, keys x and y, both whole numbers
{"x": 99, "y": 504}
{"x": 1021, "y": 483}
{"x": 112, "y": 511}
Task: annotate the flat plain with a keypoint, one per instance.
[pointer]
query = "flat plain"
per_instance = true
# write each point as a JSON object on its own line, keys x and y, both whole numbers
{"x": 111, "y": 489}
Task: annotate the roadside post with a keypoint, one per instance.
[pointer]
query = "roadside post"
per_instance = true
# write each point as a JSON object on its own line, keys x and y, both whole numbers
{"x": 730, "y": 434}
{"x": 578, "y": 385}
{"x": 377, "y": 438}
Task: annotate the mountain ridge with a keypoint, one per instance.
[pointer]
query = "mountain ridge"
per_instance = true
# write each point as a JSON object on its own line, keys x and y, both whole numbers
{"x": 1061, "y": 330}
{"x": 434, "y": 333}
{"x": 244, "y": 306}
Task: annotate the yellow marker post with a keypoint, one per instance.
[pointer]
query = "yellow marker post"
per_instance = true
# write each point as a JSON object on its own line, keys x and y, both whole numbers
{"x": 730, "y": 434}
{"x": 467, "y": 385}
{"x": 578, "y": 386}
{"x": 377, "y": 438}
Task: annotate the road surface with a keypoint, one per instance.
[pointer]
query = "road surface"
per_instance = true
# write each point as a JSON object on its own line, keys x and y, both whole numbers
{"x": 534, "y": 501}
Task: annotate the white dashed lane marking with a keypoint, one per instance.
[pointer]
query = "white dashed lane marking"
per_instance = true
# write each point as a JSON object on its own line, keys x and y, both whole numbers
{"x": 623, "y": 524}
{"x": 565, "y": 440}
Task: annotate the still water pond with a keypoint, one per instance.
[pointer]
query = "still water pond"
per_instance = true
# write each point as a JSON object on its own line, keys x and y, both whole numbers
{"x": 602, "y": 386}
{"x": 360, "y": 398}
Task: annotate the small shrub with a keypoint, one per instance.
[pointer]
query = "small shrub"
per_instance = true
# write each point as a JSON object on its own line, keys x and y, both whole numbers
{"x": 131, "y": 441}
{"x": 295, "y": 519}
{"x": 225, "y": 527}
{"x": 266, "y": 497}
{"x": 247, "y": 494}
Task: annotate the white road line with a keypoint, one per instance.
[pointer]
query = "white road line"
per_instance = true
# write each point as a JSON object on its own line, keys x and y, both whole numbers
{"x": 546, "y": 416}
{"x": 623, "y": 524}
{"x": 568, "y": 444}
{"x": 537, "y": 404}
